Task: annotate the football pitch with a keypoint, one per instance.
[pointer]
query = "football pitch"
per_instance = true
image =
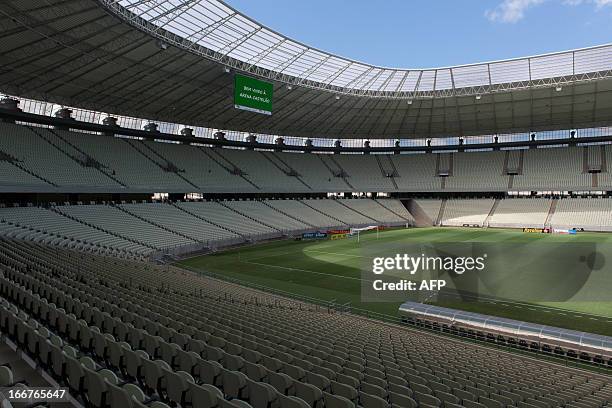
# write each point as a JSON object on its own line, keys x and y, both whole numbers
{"x": 331, "y": 271}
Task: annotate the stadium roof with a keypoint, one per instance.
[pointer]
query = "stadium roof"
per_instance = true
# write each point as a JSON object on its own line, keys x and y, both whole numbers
{"x": 168, "y": 60}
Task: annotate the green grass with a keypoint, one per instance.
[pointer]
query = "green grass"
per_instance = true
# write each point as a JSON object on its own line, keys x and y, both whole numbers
{"x": 331, "y": 270}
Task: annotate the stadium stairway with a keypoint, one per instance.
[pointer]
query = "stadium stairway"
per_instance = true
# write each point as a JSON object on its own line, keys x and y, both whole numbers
{"x": 60, "y": 212}
{"x": 341, "y": 202}
{"x": 390, "y": 174}
{"x": 421, "y": 219}
{"x": 335, "y": 173}
{"x": 228, "y": 165}
{"x": 156, "y": 224}
{"x": 441, "y": 212}
{"x": 169, "y": 165}
{"x": 165, "y": 165}
{"x": 340, "y": 222}
{"x": 343, "y": 172}
{"x": 248, "y": 216}
{"x": 83, "y": 162}
{"x": 8, "y": 158}
{"x": 390, "y": 210}
{"x": 491, "y": 212}
{"x": 551, "y": 211}
{"x": 510, "y": 181}
{"x": 88, "y": 157}
{"x": 186, "y": 211}
{"x": 266, "y": 203}
{"x": 280, "y": 164}
{"x": 444, "y": 164}
{"x": 585, "y": 159}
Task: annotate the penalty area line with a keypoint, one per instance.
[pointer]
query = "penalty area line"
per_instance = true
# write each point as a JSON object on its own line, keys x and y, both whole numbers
{"x": 334, "y": 253}
{"x": 306, "y": 270}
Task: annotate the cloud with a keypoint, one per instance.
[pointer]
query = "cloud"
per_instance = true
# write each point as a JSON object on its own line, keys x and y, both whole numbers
{"x": 598, "y": 3}
{"x": 603, "y": 3}
{"x": 511, "y": 11}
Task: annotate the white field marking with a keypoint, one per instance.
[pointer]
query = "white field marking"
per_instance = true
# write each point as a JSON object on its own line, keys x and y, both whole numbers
{"x": 306, "y": 270}
{"x": 305, "y": 250}
{"x": 272, "y": 255}
{"x": 334, "y": 253}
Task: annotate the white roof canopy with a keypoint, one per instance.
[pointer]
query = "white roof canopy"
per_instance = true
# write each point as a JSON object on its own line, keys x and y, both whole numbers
{"x": 236, "y": 40}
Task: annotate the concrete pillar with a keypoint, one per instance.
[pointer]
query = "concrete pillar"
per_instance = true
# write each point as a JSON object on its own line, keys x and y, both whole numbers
{"x": 280, "y": 144}
{"x": 111, "y": 122}
{"x": 337, "y": 147}
{"x": 366, "y": 147}
{"x": 63, "y": 113}
{"x": 150, "y": 128}
{"x": 252, "y": 141}
{"x": 10, "y": 104}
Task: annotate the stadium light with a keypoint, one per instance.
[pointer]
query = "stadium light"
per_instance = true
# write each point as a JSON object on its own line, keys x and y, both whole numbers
{"x": 289, "y": 87}
{"x": 558, "y": 89}
{"x": 337, "y": 97}
{"x": 478, "y": 97}
{"x": 227, "y": 70}
{"x": 409, "y": 101}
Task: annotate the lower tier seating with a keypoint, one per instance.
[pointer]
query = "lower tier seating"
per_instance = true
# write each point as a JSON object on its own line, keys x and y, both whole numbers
{"x": 129, "y": 334}
{"x": 140, "y": 229}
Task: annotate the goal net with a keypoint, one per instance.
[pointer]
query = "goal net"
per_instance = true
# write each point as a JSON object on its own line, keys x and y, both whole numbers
{"x": 355, "y": 232}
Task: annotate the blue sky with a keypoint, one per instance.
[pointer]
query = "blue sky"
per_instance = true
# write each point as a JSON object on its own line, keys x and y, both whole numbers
{"x": 435, "y": 33}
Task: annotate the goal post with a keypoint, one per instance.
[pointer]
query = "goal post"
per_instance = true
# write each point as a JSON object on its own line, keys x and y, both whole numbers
{"x": 357, "y": 231}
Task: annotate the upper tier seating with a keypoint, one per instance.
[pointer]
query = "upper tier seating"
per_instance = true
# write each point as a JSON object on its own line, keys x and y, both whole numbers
{"x": 553, "y": 169}
{"x": 417, "y": 172}
{"x": 49, "y": 160}
{"x": 123, "y": 334}
{"x": 477, "y": 175}
{"x": 364, "y": 173}
{"x": 39, "y": 151}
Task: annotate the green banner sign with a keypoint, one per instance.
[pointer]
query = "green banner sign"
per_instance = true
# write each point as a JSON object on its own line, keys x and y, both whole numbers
{"x": 253, "y": 95}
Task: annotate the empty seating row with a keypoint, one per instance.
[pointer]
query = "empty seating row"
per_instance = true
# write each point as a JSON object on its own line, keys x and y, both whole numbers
{"x": 131, "y": 229}
{"x": 59, "y": 159}
{"x": 176, "y": 338}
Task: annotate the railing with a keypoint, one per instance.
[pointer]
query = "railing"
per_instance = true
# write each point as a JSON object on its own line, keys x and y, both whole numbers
{"x": 40, "y": 113}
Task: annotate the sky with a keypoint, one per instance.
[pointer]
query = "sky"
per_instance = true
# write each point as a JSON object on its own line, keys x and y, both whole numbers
{"x": 436, "y": 33}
